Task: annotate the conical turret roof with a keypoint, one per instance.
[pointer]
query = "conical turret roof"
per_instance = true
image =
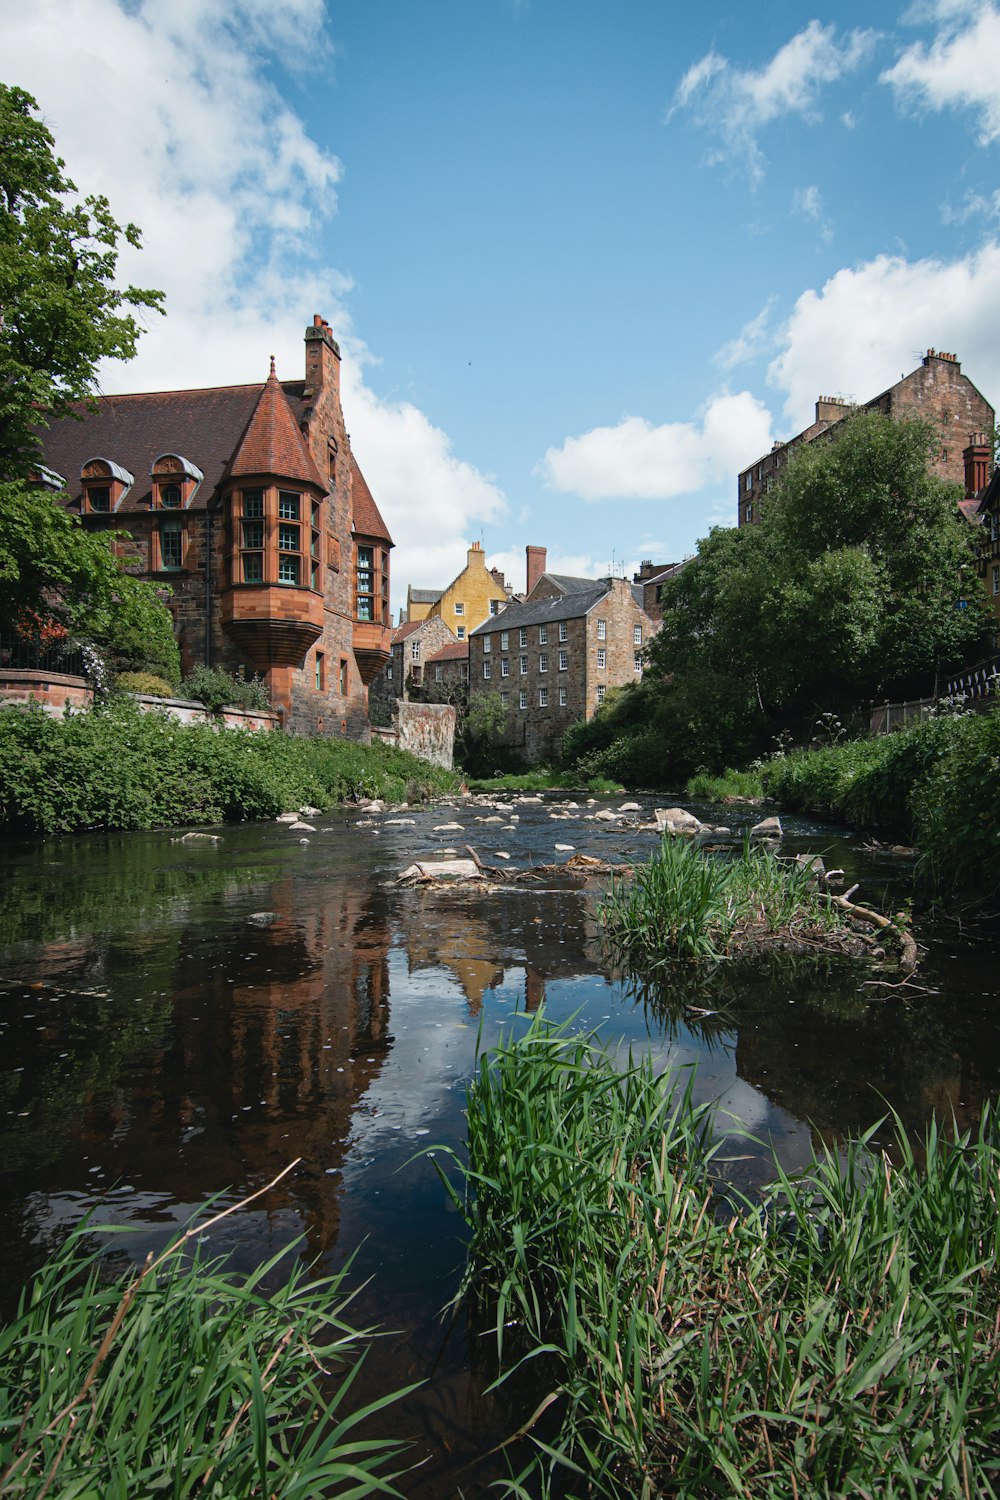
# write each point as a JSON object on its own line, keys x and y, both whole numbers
{"x": 272, "y": 442}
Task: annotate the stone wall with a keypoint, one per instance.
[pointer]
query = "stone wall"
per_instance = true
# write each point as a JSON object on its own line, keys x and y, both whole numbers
{"x": 424, "y": 729}
{"x": 54, "y": 691}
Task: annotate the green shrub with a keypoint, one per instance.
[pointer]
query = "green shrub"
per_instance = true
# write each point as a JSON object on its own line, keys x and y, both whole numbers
{"x": 144, "y": 682}
{"x": 218, "y": 689}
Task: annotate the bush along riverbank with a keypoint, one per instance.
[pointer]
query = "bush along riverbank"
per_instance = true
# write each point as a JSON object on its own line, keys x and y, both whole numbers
{"x": 118, "y": 767}
{"x": 933, "y": 785}
{"x": 841, "y": 1336}
{"x": 184, "y": 1379}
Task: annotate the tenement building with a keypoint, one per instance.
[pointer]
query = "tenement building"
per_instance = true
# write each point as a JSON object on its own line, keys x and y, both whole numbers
{"x": 936, "y": 391}
{"x": 248, "y": 504}
{"x": 554, "y": 656}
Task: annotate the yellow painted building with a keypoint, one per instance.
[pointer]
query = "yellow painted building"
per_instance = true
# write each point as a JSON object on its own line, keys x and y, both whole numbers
{"x": 472, "y": 597}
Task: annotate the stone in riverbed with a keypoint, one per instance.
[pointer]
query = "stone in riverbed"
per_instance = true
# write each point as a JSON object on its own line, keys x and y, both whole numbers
{"x": 767, "y": 828}
{"x": 675, "y": 820}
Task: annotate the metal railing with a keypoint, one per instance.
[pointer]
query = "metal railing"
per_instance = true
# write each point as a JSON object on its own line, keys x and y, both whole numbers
{"x": 23, "y": 654}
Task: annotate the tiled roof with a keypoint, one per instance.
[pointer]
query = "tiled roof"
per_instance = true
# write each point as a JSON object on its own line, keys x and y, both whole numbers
{"x": 367, "y": 519}
{"x": 455, "y": 651}
{"x": 272, "y": 442}
{"x": 203, "y": 426}
{"x": 569, "y": 606}
{"x": 407, "y": 628}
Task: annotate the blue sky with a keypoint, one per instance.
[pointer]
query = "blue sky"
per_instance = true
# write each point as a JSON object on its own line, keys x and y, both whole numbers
{"x": 584, "y": 261}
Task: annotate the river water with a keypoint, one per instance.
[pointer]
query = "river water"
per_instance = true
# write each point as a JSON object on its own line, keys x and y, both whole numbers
{"x": 180, "y": 1020}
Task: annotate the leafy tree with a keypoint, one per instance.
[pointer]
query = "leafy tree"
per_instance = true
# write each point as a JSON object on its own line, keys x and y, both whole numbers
{"x": 61, "y": 313}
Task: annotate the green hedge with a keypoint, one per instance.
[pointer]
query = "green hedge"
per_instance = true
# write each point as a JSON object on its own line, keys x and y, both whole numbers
{"x": 118, "y": 767}
{"x": 935, "y": 784}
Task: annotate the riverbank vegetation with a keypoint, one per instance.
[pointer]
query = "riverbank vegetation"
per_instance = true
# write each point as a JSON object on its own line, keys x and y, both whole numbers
{"x": 840, "y": 1335}
{"x": 185, "y": 1379}
{"x": 685, "y": 904}
{"x": 119, "y": 767}
{"x": 932, "y": 785}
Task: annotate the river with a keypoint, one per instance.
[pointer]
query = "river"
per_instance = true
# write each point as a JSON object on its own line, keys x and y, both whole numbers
{"x": 180, "y": 1020}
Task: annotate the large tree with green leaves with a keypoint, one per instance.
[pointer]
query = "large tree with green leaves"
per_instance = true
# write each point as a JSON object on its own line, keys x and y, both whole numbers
{"x": 61, "y": 313}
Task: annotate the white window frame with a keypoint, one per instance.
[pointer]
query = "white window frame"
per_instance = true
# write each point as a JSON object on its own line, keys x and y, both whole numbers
{"x": 487, "y": 645}
{"x": 562, "y": 697}
{"x": 460, "y": 632}
{"x": 543, "y": 697}
{"x": 600, "y": 694}
{"x": 543, "y": 661}
{"x": 637, "y": 635}
{"x": 487, "y": 669}
{"x": 523, "y": 636}
{"x": 524, "y": 666}
{"x": 543, "y": 635}
{"x": 602, "y": 659}
{"x": 602, "y": 630}
{"x": 563, "y": 631}
{"x": 564, "y": 661}
{"x": 505, "y": 640}
{"x": 505, "y": 666}
{"x": 522, "y": 701}
{"x": 459, "y": 607}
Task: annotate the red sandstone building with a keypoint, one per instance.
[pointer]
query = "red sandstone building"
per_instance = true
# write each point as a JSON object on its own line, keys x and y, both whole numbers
{"x": 247, "y": 502}
{"x": 936, "y": 391}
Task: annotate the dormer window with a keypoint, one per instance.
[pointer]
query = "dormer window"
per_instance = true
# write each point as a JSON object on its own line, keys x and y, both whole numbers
{"x": 105, "y": 485}
{"x": 175, "y": 481}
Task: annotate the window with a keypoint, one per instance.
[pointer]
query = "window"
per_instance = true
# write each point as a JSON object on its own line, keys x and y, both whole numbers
{"x": 332, "y": 462}
{"x": 637, "y": 661}
{"x": 600, "y": 695}
{"x": 637, "y": 635}
{"x": 602, "y": 630}
{"x": 602, "y": 658}
{"x": 465, "y": 671}
{"x": 504, "y": 666}
{"x": 562, "y": 697}
{"x": 994, "y": 525}
{"x": 288, "y": 570}
{"x": 543, "y": 662}
{"x": 543, "y": 635}
{"x": 252, "y": 536}
{"x": 171, "y": 543}
{"x": 524, "y": 638}
{"x": 316, "y": 523}
{"x": 749, "y": 511}
{"x": 504, "y": 640}
{"x": 522, "y": 698}
{"x": 320, "y": 672}
{"x": 170, "y": 496}
{"x": 487, "y": 669}
{"x": 563, "y": 631}
{"x": 288, "y": 538}
{"x": 564, "y": 661}
{"x": 414, "y": 650}
{"x": 99, "y": 498}
{"x": 343, "y": 677}
{"x": 524, "y": 666}
{"x": 438, "y": 672}
{"x": 505, "y": 699}
{"x": 996, "y": 579}
{"x": 364, "y": 608}
{"x": 460, "y": 632}
{"x": 543, "y": 697}
{"x": 288, "y": 506}
{"x": 748, "y": 480}
{"x": 487, "y": 645}
{"x": 459, "y": 607}
{"x": 494, "y": 606}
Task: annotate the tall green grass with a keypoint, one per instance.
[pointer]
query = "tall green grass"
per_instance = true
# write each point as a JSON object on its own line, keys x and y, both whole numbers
{"x": 184, "y": 1381}
{"x": 840, "y": 1337}
{"x": 687, "y": 904}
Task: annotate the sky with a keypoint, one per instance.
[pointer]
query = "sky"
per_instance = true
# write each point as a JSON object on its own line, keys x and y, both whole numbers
{"x": 585, "y": 261}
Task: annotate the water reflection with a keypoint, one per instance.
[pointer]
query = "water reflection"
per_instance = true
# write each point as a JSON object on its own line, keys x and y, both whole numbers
{"x": 181, "y": 1021}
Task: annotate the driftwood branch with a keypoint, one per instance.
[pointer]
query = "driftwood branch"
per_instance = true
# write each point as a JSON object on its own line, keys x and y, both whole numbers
{"x": 908, "y": 947}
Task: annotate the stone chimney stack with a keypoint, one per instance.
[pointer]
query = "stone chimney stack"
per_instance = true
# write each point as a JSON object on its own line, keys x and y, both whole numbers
{"x": 977, "y": 464}
{"x": 322, "y": 359}
{"x": 534, "y": 566}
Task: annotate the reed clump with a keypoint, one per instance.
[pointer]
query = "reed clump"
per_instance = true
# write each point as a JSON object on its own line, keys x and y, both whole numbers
{"x": 838, "y": 1336}
{"x": 186, "y": 1380}
{"x": 686, "y": 904}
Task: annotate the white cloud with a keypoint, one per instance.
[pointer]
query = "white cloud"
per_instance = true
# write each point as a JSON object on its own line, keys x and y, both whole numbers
{"x": 863, "y": 328}
{"x": 750, "y": 342}
{"x": 807, "y": 203}
{"x": 637, "y": 460}
{"x": 193, "y": 142}
{"x": 959, "y": 69}
{"x": 577, "y": 564}
{"x": 736, "y": 104}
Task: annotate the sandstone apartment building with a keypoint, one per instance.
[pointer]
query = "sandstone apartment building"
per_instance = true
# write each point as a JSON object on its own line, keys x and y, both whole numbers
{"x": 553, "y": 657}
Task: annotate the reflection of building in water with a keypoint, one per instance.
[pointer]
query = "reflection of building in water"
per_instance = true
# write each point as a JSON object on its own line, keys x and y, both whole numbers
{"x": 275, "y": 1027}
{"x": 478, "y": 938}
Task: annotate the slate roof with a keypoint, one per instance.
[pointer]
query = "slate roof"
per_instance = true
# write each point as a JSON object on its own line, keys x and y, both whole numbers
{"x": 425, "y": 596}
{"x": 570, "y": 606}
{"x": 367, "y": 519}
{"x": 567, "y": 584}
